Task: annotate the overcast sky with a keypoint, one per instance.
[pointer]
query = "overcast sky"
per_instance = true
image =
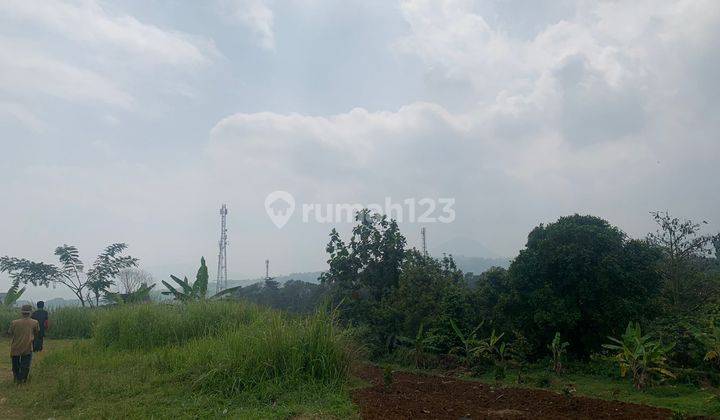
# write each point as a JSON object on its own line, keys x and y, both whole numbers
{"x": 134, "y": 120}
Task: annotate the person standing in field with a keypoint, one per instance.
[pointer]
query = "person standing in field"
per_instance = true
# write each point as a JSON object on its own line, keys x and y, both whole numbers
{"x": 42, "y": 317}
{"x": 23, "y": 332}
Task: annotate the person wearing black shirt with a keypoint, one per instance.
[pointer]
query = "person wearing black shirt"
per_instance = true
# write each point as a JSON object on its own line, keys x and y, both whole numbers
{"x": 41, "y": 316}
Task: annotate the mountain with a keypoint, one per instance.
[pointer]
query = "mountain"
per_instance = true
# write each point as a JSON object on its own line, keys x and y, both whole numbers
{"x": 310, "y": 277}
{"x": 464, "y": 246}
{"x": 478, "y": 265}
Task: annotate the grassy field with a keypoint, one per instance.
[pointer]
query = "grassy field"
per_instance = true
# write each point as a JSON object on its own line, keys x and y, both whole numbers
{"x": 203, "y": 360}
{"x": 233, "y": 360}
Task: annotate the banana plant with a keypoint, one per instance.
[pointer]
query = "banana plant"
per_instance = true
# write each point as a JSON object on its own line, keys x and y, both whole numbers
{"x": 469, "y": 342}
{"x": 13, "y": 294}
{"x": 712, "y": 343}
{"x": 640, "y": 355}
{"x": 558, "y": 349}
{"x": 491, "y": 348}
{"x": 189, "y": 292}
{"x": 141, "y": 295}
{"x": 420, "y": 345}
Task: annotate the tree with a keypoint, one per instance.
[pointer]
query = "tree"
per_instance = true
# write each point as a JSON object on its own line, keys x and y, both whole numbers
{"x": 131, "y": 279}
{"x": 107, "y": 265}
{"x": 70, "y": 271}
{"x": 686, "y": 251}
{"x": 190, "y": 292}
{"x": 581, "y": 277}
{"x": 367, "y": 268}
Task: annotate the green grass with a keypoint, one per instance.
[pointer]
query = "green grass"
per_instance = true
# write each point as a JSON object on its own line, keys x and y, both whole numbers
{"x": 230, "y": 360}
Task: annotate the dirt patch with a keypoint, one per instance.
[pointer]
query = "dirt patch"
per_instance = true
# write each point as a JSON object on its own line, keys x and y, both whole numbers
{"x": 414, "y": 396}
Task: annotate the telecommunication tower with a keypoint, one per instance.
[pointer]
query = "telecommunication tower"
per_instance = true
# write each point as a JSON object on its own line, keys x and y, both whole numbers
{"x": 424, "y": 242}
{"x": 222, "y": 254}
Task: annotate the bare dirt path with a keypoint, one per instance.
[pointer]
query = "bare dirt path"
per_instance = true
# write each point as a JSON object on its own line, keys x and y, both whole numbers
{"x": 413, "y": 396}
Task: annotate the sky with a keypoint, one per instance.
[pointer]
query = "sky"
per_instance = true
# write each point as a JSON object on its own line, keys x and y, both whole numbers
{"x": 133, "y": 121}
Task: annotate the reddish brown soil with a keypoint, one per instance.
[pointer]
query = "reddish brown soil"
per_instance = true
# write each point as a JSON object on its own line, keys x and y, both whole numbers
{"x": 413, "y": 396}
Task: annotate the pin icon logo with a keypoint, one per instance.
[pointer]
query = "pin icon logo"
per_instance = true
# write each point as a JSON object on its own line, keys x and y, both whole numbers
{"x": 279, "y": 205}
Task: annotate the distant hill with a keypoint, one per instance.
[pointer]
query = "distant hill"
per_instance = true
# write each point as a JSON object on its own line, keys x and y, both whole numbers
{"x": 478, "y": 265}
{"x": 310, "y": 277}
{"x": 55, "y": 303}
{"x": 464, "y": 246}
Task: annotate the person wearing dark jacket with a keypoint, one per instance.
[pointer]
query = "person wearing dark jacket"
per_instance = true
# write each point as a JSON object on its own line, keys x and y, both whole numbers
{"x": 41, "y": 316}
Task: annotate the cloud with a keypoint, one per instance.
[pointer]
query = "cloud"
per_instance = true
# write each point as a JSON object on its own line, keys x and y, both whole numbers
{"x": 21, "y": 114}
{"x": 24, "y": 71}
{"x": 256, "y": 16}
{"x": 592, "y": 109}
{"x": 88, "y": 22}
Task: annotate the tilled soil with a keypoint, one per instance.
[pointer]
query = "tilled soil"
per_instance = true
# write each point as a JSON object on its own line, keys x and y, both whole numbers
{"x": 413, "y": 396}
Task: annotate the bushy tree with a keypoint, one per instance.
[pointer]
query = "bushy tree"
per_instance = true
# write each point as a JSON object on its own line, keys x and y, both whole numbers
{"x": 581, "y": 277}
{"x": 365, "y": 271}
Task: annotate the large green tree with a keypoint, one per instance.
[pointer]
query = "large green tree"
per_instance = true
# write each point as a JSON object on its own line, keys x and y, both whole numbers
{"x": 368, "y": 266}
{"x": 365, "y": 271}
{"x": 581, "y": 277}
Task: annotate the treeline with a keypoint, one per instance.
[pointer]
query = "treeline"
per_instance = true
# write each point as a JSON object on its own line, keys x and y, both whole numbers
{"x": 579, "y": 276}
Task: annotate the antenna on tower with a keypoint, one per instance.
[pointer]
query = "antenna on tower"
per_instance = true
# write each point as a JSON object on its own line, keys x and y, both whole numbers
{"x": 424, "y": 241}
{"x": 221, "y": 283}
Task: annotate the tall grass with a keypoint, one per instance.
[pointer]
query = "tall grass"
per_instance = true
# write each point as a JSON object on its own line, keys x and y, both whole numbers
{"x": 132, "y": 327}
{"x": 67, "y": 322}
{"x": 7, "y": 314}
{"x": 267, "y": 357}
{"x": 226, "y": 355}
{"x": 72, "y": 322}
{"x": 230, "y": 349}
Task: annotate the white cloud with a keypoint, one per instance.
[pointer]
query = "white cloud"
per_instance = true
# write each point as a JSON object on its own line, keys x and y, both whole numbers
{"x": 88, "y": 22}
{"x": 256, "y": 16}
{"x": 25, "y": 71}
{"x": 21, "y": 114}
{"x": 583, "y": 115}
